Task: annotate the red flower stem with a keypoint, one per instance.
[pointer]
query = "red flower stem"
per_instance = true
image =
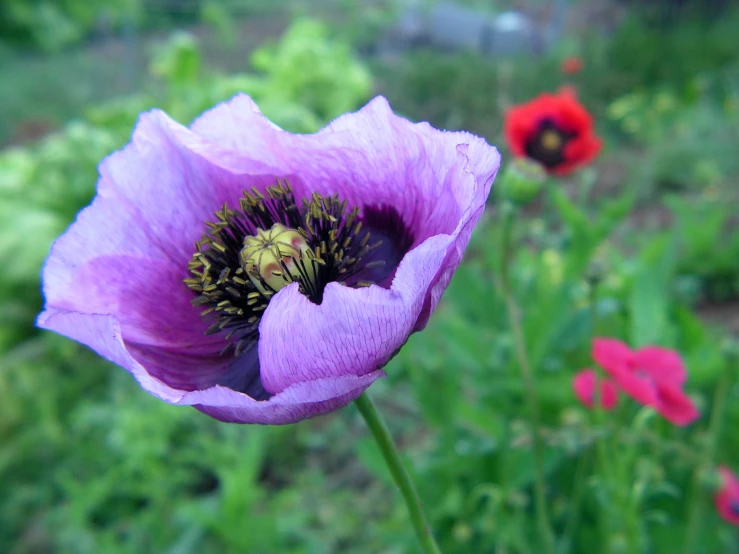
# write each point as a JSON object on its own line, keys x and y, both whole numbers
{"x": 545, "y": 528}
{"x": 400, "y": 474}
{"x": 695, "y": 512}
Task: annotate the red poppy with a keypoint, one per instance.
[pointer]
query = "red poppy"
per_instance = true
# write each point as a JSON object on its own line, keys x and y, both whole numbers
{"x": 652, "y": 376}
{"x": 553, "y": 129}
{"x": 727, "y": 497}
{"x": 571, "y": 65}
{"x": 584, "y": 386}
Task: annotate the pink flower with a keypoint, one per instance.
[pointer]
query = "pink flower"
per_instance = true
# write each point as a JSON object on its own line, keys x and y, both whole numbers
{"x": 584, "y": 386}
{"x": 652, "y": 376}
{"x": 727, "y": 497}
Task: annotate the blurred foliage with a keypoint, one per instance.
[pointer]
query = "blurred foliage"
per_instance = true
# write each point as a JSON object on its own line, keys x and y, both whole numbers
{"x": 701, "y": 43}
{"x": 690, "y": 144}
{"x": 55, "y": 25}
{"x": 51, "y": 25}
{"x": 703, "y": 223}
{"x": 304, "y": 69}
{"x": 89, "y": 463}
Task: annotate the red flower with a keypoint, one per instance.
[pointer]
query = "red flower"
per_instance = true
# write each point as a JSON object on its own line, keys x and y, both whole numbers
{"x": 727, "y": 497}
{"x": 571, "y": 65}
{"x": 553, "y": 129}
{"x": 584, "y": 386}
{"x": 651, "y": 375}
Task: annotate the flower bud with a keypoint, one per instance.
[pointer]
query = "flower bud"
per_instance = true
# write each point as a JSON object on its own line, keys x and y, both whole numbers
{"x": 522, "y": 180}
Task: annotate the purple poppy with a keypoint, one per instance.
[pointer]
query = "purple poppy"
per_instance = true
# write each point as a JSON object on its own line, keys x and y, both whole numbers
{"x": 262, "y": 276}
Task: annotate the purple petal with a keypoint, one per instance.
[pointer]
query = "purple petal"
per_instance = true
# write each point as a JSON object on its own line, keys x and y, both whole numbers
{"x": 300, "y": 401}
{"x": 369, "y": 157}
{"x": 353, "y": 331}
{"x": 438, "y": 181}
{"x": 113, "y": 281}
{"x": 303, "y": 400}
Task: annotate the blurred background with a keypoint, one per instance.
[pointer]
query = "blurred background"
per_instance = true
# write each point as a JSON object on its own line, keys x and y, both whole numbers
{"x": 91, "y": 464}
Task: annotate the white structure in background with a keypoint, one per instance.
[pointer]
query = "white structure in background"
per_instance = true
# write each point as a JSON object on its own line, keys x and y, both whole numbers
{"x": 448, "y": 26}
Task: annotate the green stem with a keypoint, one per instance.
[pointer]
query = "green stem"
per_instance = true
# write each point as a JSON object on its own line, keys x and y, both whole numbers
{"x": 695, "y": 513}
{"x": 545, "y": 527}
{"x": 400, "y": 474}
{"x": 573, "y": 510}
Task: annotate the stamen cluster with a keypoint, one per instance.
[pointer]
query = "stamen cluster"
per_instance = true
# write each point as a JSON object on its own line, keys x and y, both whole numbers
{"x": 249, "y": 254}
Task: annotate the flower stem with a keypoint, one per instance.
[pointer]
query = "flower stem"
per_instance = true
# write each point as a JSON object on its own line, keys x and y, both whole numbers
{"x": 545, "y": 527}
{"x": 695, "y": 513}
{"x": 400, "y": 474}
{"x": 573, "y": 510}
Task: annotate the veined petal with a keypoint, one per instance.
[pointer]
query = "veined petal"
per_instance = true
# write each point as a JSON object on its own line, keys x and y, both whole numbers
{"x": 303, "y": 400}
{"x": 353, "y": 331}
{"x": 114, "y": 281}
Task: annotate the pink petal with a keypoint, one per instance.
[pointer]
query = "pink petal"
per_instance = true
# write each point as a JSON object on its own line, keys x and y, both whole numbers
{"x": 612, "y": 355}
{"x": 661, "y": 364}
{"x": 584, "y": 386}
{"x": 637, "y": 387}
{"x": 674, "y": 405}
{"x": 727, "y": 497}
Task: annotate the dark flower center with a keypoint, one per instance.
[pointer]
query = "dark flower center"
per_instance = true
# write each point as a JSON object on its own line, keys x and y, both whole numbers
{"x": 249, "y": 254}
{"x": 547, "y": 144}
{"x": 734, "y": 507}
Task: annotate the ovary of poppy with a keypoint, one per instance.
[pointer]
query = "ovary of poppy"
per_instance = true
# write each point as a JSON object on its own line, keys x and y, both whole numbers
{"x": 263, "y": 276}
{"x": 584, "y": 386}
{"x": 652, "y": 376}
{"x": 727, "y": 496}
{"x": 553, "y": 129}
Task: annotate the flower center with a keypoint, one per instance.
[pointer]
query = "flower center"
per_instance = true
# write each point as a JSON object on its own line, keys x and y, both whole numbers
{"x": 277, "y": 257}
{"x": 248, "y": 255}
{"x": 551, "y": 140}
{"x": 547, "y": 144}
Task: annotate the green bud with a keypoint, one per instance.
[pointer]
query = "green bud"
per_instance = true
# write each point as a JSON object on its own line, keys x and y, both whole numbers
{"x": 710, "y": 478}
{"x": 522, "y": 180}
{"x": 462, "y": 532}
{"x": 730, "y": 350}
{"x": 618, "y": 544}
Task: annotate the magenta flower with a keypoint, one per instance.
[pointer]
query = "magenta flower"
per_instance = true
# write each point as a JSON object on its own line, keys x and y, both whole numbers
{"x": 652, "y": 376}
{"x": 584, "y": 386}
{"x": 727, "y": 497}
{"x": 261, "y": 276}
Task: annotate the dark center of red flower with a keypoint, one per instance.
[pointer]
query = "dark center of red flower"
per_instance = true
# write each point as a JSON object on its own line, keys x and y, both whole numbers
{"x": 249, "y": 254}
{"x": 734, "y": 507}
{"x": 547, "y": 144}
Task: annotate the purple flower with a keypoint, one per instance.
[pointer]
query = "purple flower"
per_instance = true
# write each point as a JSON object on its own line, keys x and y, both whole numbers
{"x": 261, "y": 276}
